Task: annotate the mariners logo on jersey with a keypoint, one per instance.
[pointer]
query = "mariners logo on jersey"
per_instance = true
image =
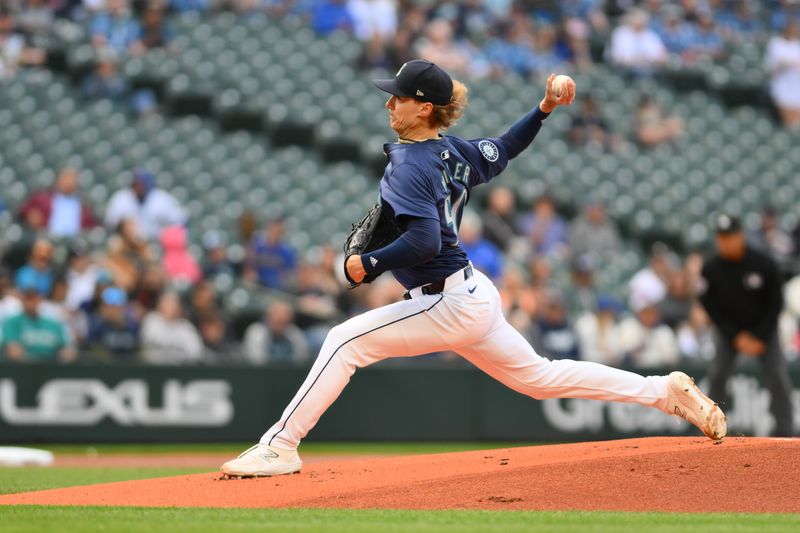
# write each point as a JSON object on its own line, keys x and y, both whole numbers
{"x": 489, "y": 150}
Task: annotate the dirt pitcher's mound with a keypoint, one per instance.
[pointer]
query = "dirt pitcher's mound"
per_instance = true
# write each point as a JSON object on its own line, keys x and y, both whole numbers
{"x": 656, "y": 474}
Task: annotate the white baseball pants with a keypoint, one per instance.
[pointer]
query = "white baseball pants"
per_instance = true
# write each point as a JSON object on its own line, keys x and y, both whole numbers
{"x": 466, "y": 318}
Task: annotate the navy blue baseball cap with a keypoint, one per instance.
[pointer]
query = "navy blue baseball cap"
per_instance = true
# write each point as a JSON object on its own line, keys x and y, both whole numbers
{"x": 420, "y": 80}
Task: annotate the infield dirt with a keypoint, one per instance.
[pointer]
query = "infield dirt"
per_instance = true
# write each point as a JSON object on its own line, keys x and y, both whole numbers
{"x": 655, "y": 474}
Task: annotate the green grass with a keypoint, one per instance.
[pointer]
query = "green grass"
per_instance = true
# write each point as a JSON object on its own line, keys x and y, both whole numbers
{"x": 134, "y": 519}
{"x": 37, "y": 478}
{"x": 318, "y": 448}
{"x": 122, "y": 520}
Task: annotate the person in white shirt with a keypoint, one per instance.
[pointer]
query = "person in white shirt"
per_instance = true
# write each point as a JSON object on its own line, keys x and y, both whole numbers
{"x": 151, "y": 208}
{"x": 635, "y": 46}
{"x": 598, "y": 332}
{"x": 783, "y": 64}
{"x": 646, "y": 341}
{"x": 373, "y": 18}
{"x": 649, "y": 285}
{"x": 167, "y": 337}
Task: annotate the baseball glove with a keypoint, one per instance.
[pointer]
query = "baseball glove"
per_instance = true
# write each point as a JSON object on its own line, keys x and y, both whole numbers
{"x": 376, "y": 230}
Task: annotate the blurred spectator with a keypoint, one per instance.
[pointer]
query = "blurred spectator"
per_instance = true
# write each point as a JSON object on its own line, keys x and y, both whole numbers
{"x": 646, "y": 341}
{"x": 674, "y": 31}
{"x": 546, "y": 58}
{"x": 218, "y": 346}
{"x": 552, "y": 335}
{"x": 14, "y": 52}
{"x": 182, "y": 6}
{"x": 589, "y": 126}
{"x": 743, "y": 295}
{"x": 738, "y": 19}
{"x": 439, "y": 46}
{"x": 517, "y": 298}
{"x": 215, "y": 259}
{"x": 499, "y": 226}
{"x": 484, "y": 255}
{"x": 204, "y": 300}
{"x": 653, "y": 126}
{"x": 35, "y": 16}
{"x": 545, "y": 229}
{"x": 593, "y": 231}
{"x": 635, "y": 47}
{"x": 789, "y": 325}
{"x": 167, "y": 337}
{"x": 400, "y": 49}
{"x": 588, "y": 10}
{"x": 114, "y": 27}
{"x": 32, "y": 336}
{"x": 10, "y": 302}
{"x": 39, "y": 267}
{"x": 149, "y": 289}
{"x": 649, "y": 285}
{"x": 270, "y": 260}
{"x": 706, "y": 39}
{"x": 376, "y": 55}
{"x": 598, "y": 332}
{"x": 328, "y": 16}
{"x": 81, "y": 275}
{"x": 511, "y": 49}
{"x": 59, "y": 208}
{"x": 693, "y": 267}
{"x": 582, "y": 296}
{"x": 106, "y": 80}
{"x": 179, "y": 264}
{"x": 772, "y": 240}
{"x": 248, "y": 225}
{"x": 787, "y": 12}
{"x": 92, "y": 305}
{"x": 315, "y": 297}
{"x": 156, "y": 31}
{"x": 54, "y": 305}
{"x": 695, "y": 336}
{"x": 128, "y": 255}
{"x": 151, "y": 208}
{"x": 373, "y": 19}
{"x": 674, "y": 308}
{"x": 575, "y": 45}
{"x": 276, "y": 339}
{"x": 113, "y": 329}
{"x": 783, "y": 64}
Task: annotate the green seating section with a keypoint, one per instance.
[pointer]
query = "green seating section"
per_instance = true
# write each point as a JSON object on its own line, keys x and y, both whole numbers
{"x": 268, "y": 117}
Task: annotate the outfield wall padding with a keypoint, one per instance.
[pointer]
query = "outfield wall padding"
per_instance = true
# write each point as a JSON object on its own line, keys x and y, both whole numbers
{"x": 131, "y": 403}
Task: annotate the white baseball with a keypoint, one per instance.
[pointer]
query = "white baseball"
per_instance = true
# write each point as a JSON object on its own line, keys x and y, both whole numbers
{"x": 560, "y": 83}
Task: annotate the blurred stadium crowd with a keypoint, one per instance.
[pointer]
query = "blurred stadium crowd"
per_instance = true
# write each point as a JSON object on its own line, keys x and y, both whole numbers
{"x": 156, "y": 292}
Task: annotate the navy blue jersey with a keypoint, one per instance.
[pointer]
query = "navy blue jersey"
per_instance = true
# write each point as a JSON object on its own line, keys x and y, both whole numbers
{"x": 432, "y": 179}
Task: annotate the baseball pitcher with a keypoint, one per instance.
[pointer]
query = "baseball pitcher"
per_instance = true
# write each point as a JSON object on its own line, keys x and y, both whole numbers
{"x": 448, "y": 305}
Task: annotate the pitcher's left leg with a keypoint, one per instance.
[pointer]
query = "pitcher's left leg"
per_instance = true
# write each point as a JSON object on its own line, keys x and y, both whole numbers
{"x": 505, "y": 355}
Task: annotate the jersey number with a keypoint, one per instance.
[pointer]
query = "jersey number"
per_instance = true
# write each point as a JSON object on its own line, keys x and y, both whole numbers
{"x": 452, "y": 208}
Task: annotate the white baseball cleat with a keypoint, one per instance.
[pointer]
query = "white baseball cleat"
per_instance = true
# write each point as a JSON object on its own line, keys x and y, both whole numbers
{"x": 688, "y": 402}
{"x": 263, "y": 460}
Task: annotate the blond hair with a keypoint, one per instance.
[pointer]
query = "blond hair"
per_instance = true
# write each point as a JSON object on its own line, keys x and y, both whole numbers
{"x": 444, "y": 116}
